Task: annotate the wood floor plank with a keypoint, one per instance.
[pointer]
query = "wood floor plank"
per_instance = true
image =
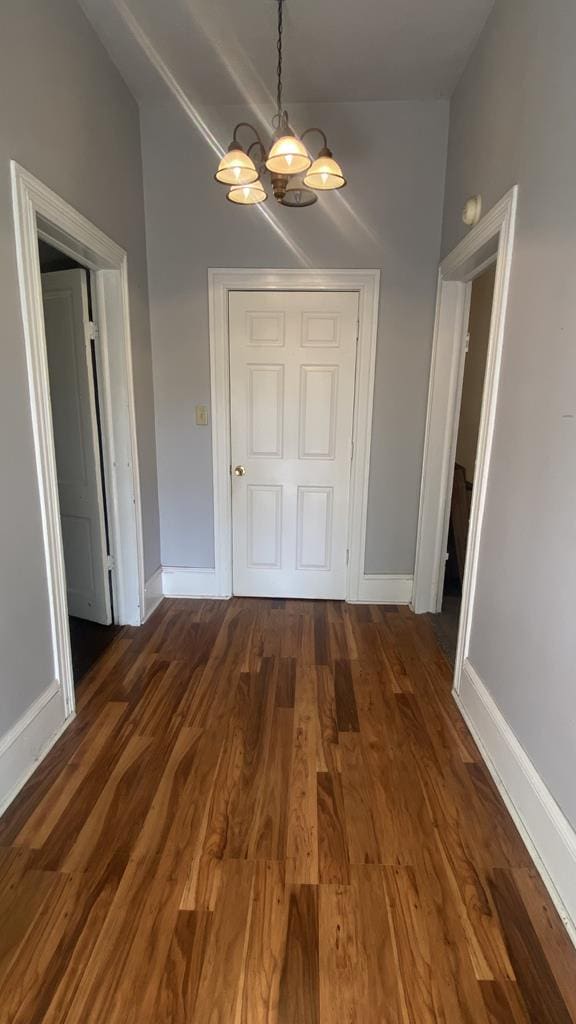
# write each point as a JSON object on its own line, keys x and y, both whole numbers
{"x": 132, "y": 950}
{"x": 302, "y": 839}
{"x": 221, "y": 983}
{"x": 21, "y": 901}
{"x": 239, "y": 784}
{"x": 359, "y": 801}
{"x": 455, "y": 989}
{"x": 266, "y": 947}
{"x": 536, "y": 982}
{"x": 299, "y": 990}
{"x": 327, "y": 747}
{"x": 333, "y": 856}
{"x": 503, "y": 1002}
{"x": 552, "y": 936}
{"x": 269, "y": 831}
{"x": 342, "y": 965}
{"x": 286, "y": 685}
{"x": 346, "y": 710}
{"x": 45, "y": 817}
{"x": 175, "y": 823}
{"x": 49, "y": 985}
{"x": 381, "y": 989}
{"x": 411, "y": 944}
{"x": 178, "y": 991}
{"x": 272, "y": 811}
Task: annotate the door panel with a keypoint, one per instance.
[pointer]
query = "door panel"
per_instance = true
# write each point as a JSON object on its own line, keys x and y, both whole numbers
{"x": 292, "y": 368}
{"x": 73, "y": 402}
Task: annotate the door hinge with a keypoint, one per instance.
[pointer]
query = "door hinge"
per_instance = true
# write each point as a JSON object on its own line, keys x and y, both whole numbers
{"x": 110, "y": 562}
{"x": 351, "y": 450}
{"x": 347, "y": 556}
{"x": 357, "y": 329}
{"x": 467, "y": 341}
{"x": 92, "y": 330}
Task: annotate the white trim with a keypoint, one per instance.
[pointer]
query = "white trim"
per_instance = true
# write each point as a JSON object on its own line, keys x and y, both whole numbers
{"x": 384, "y": 589}
{"x": 494, "y": 231}
{"x": 222, "y": 281}
{"x": 152, "y": 593}
{"x": 39, "y": 211}
{"x": 179, "y": 581}
{"x": 549, "y": 837}
{"x": 29, "y": 739}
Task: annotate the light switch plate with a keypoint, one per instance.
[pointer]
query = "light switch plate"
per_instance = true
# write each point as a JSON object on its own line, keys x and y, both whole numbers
{"x": 201, "y": 416}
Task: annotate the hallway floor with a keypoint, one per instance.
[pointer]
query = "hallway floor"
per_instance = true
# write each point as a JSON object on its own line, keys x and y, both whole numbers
{"x": 271, "y": 811}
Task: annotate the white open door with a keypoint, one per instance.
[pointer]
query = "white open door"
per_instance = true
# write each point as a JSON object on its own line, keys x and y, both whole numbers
{"x": 74, "y": 418}
{"x": 292, "y": 368}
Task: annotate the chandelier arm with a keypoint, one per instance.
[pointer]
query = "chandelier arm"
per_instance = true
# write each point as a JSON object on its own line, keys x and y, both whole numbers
{"x": 320, "y": 132}
{"x": 246, "y": 124}
{"x": 258, "y": 144}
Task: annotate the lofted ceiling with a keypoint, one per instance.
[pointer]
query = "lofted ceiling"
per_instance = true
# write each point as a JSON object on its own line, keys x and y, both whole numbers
{"x": 224, "y": 51}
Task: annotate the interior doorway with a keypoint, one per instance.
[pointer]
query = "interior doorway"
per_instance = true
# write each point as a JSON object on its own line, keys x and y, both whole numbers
{"x": 71, "y": 332}
{"x": 41, "y": 213}
{"x": 445, "y": 622}
{"x": 365, "y": 288}
{"x": 489, "y": 244}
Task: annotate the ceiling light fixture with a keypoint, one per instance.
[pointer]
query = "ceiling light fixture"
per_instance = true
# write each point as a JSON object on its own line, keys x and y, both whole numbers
{"x": 294, "y": 176}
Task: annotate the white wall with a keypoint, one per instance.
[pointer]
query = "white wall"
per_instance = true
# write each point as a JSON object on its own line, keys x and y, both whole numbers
{"x": 66, "y": 116}
{"x": 513, "y": 121}
{"x": 388, "y": 217}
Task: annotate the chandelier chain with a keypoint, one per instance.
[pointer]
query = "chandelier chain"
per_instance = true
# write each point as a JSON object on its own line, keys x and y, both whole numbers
{"x": 279, "y": 65}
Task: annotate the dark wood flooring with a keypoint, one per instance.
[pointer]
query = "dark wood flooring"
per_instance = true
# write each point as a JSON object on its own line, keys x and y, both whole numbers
{"x": 271, "y": 811}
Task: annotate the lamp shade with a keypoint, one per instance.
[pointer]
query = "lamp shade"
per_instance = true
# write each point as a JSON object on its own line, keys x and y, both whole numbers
{"x": 288, "y": 156}
{"x": 236, "y": 168}
{"x": 296, "y": 193}
{"x": 247, "y": 195}
{"x": 325, "y": 173}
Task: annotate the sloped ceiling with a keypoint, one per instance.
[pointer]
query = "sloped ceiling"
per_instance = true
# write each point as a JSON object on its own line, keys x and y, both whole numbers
{"x": 224, "y": 52}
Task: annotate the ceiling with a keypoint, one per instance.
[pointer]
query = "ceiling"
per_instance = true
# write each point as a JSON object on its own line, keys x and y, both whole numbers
{"x": 224, "y": 51}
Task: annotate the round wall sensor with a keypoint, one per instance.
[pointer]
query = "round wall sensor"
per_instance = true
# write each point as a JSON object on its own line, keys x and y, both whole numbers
{"x": 472, "y": 211}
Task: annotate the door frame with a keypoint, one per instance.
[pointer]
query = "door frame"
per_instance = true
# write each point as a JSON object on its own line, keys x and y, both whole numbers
{"x": 39, "y": 212}
{"x": 222, "y": 281}
{"x": 492, "y": 237}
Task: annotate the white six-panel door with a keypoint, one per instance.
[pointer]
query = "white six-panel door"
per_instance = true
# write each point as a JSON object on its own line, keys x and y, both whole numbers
{"x": 292, "y": 367}
{"x": 73, "y": 401}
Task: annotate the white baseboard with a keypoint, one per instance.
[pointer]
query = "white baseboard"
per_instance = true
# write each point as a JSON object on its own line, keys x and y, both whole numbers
{"x": 183, "y": 582}
{"x": 384, "y": 589}
{"x": 152, "y": 593}
{"x": 380, "y": 589}
{"x": 549, "y": 837}
{"x": 29, "y": 740}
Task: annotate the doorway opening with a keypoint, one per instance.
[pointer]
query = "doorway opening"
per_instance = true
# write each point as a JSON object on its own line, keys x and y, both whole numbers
{"x": 39, "y": 213}
{"x": 72, "y": 347}
{"x": 490, "y": 244}
{"x": 445, "y": 622}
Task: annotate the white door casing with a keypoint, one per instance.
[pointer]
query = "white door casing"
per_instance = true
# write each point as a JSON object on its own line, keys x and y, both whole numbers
{"x": 292, "y": 371}
{"x": 75, "y": 427}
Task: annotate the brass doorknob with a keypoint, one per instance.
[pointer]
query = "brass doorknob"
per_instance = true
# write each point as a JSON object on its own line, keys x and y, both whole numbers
{"x": 239, "y": 471}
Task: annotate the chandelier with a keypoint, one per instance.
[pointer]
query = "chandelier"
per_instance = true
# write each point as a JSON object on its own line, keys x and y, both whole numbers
{"x": 295, "y": 177}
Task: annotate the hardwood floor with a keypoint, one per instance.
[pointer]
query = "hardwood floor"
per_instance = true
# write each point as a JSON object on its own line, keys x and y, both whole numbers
{"x": 271, "y": 811}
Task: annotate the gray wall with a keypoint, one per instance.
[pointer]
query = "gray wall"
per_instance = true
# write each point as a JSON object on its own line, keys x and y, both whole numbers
{"x": 513, "y": 121}
{"x": 388, "y": 217}
{"x": 65, "y": 115}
